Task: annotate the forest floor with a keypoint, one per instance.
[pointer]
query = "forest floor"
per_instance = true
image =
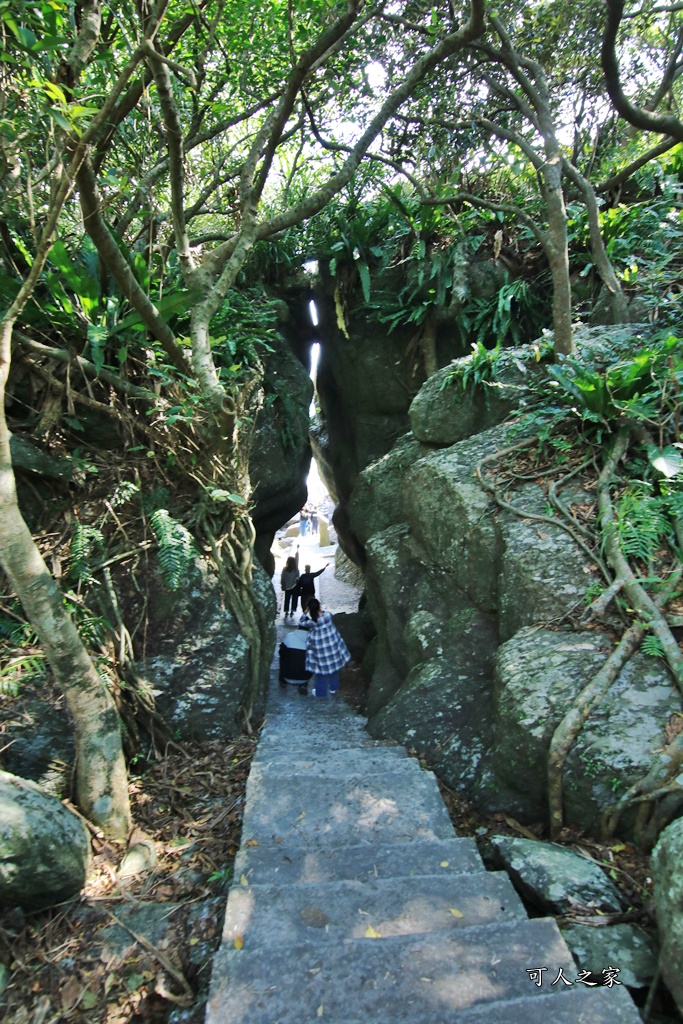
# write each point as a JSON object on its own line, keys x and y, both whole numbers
{"x": 92, "y": 961}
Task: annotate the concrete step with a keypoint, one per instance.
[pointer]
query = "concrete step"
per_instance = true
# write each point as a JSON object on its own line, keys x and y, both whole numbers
{"x": 576, "y": 1005}
{"x": 278, "y": 754}
{"x": 431, "y": 978}
{"x": 328, "y": 912}
{"x": 290, "y": 864}
{"x": 335, "y": 764}
{"x": 344, "y": 812}
{"x": 304, "y": 745}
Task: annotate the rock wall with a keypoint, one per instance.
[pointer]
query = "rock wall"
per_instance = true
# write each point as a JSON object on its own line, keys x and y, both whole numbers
{"x": 480, "y": 648}
{"x": 281, "y": 452}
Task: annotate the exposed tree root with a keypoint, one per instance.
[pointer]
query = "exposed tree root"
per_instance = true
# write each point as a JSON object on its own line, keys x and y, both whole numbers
{"x": 567, "y": 731}
{"x": 572, "y": 530}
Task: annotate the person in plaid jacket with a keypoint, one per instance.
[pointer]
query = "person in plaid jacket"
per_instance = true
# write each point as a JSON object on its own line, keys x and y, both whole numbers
{"x": 326, "y": 652}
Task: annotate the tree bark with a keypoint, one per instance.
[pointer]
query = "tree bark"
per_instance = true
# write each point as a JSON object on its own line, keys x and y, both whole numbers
{"x": 101, "y": 780}
{"x": 558, "y": 257}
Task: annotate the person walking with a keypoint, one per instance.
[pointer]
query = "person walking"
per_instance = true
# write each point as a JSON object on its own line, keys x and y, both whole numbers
{"x": 289, "y": 583}
{"x": 326, "y": 652}
{"x": 306, "y": 584}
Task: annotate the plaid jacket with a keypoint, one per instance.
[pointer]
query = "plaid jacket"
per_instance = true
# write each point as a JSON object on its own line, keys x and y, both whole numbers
{"x": 326, "y": 651}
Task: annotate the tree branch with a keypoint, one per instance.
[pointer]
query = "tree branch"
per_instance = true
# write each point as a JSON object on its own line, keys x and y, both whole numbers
{"x": 665, "y": 124}
{"x": 118, "y": 267}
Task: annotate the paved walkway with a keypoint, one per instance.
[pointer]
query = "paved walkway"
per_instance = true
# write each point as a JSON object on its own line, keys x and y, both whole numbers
{"x": 353, "y": 900}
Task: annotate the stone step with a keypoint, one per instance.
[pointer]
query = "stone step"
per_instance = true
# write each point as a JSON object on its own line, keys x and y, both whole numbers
{"x": 314, "y": 710}
{"x": 576, "y": 1005}
{"x": 335, "y": 764}
{"x": 344, "y": 812}
{"x": 290, "y": 864}
{"x": 431, "y": 978}
{"x": 318, "y": 745}
{"x": 328, "y": 912}
{"x": 282, "y": 753}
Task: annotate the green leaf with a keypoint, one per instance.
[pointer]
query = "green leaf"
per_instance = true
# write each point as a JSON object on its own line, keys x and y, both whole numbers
{"x": 668, "y": 461}
{"x": 364, "y": 273}
{"x": 171, "y": 305}
{"x": 97, "y": 336}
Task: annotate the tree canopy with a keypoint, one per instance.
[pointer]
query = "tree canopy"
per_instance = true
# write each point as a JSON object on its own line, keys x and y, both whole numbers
{"x": 158, "y": 159}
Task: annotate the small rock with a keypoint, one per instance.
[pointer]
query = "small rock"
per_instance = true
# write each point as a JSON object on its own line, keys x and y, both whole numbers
{"x": 138, "y": 860}
{"x": 44, "y": 847}
{"x": 554, "y": 878}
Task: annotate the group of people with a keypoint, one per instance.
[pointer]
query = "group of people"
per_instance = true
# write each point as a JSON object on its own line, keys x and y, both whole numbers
{"x": 316, "y": 648}
{"x": 308, "y": 519}
{"x": 295, "y": 585}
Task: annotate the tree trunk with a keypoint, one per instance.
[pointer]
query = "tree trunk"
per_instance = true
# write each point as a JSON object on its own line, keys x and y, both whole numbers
{"x": 558, "y": 257}
{"x": 428, "y": 345}
{"x": 101, "y": 780}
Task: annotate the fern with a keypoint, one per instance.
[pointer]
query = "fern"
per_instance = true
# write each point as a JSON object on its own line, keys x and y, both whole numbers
{"x": 123, "y": 492}
{"x": 83, "y": 543}
{"x": 26, "y": 668}
{"x": 642, "y": 522}
{"x": 653, "y": 646}
{"x": 176, "y": 547}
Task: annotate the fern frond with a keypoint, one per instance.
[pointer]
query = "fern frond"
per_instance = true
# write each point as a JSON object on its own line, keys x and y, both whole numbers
{"x": 653, "y": 646}
{"x": 27, "y": 668}
{"x": 123, "y": 492}
{"x": 83, "y": 543}
{"x": 176, "y": 547}
{"x": 642, "y": 522}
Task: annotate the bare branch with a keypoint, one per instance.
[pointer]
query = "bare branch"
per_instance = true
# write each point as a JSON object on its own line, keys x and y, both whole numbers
{"x": 665, "y": 124}
{"x": 121, "y": 272}
{"x": 174, "y": 141}
{"x": 625, "y": 173}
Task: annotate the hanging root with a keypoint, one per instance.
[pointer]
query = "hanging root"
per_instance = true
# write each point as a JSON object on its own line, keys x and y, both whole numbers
{"x": 568, "y": 524}
{"x": 567, "y": 731}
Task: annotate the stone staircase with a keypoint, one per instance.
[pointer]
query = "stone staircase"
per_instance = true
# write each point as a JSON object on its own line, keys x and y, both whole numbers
{"x": 353, "y": 900}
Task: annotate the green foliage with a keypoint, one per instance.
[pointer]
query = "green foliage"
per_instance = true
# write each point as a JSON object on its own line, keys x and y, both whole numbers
{"x": 644, "y": 387}
{"x": 245, "y": 327}
{"x": 479, "y": 368}
{"x": 29, "y": 668}
{"x": 85, "y": 541}
{"x": 176, "y": 551}
{"x": 642, "y": 521}
{"x": 653, "y": 646}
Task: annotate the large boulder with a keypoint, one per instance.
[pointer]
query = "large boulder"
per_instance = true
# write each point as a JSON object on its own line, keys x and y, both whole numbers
{"x": 451, "y": 516}
{"x": 444, "y": 707}
{"x": 198, "y": 662}
{"x": 376, "y": 501}
{"x": 539, "y": 673}
{"x": 450, "y": 407}
{"x": 44, "y": 847}
{"x": 667, "y": 871}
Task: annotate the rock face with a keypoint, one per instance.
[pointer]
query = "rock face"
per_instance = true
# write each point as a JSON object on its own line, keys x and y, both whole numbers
{"x": 667, "y": 870}
{"x": 281, "y": 455}
{"x": 198, "y": 662}
{"x": 480, "y": 650}
{"x": 44, "y": 847}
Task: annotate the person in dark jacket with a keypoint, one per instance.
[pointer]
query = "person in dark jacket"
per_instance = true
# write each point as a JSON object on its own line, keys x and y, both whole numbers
{"x": 289, "y": 582}
{"x": 306, "y": 584}
{"x": 293, "y": 660}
